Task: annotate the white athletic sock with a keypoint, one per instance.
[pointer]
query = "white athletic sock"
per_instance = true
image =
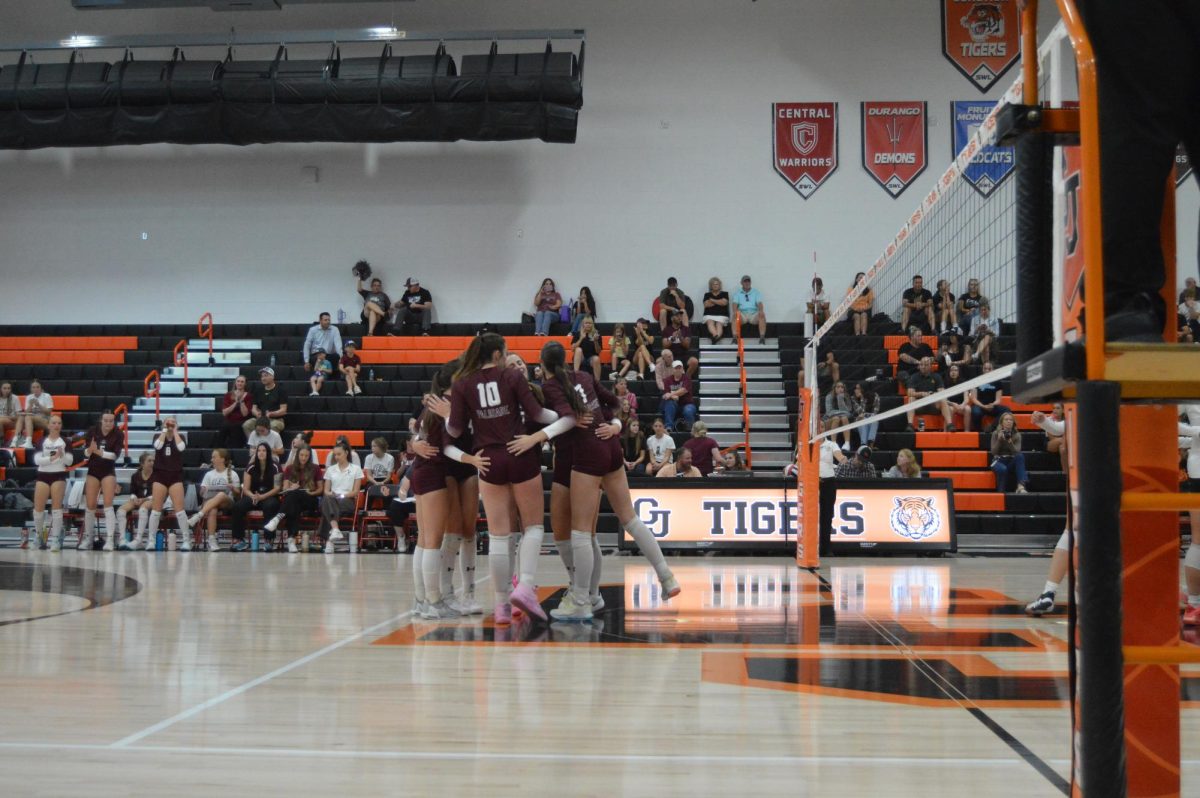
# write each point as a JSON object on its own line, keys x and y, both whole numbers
{"x": 450, "y": 546}
{"x": 648, "y": 544}
{"x": 500, "y": 567}
{"x": 185, "y": 531}
{"x": 152, "y": 530}
{"x": 56, "y": 525}
{"x": 39, "y": 517}
{"x": 581, "y": 550}
{"x": 110, "y": 524}
{"x": 431, "y": 570}
{"x": 568, "y": 559}
{"x": 418, "y": 574}
{"x": 89, "y": 524}
{"x": 597, "y": 567}
{"x": 531, "y": 549}
{"x": 1051, "y": 587}
{"x": 143, "y": 519}
{"x": 466, "y": 559}
{"x": 514, "y": 544}
{"x": 122, "y": 521}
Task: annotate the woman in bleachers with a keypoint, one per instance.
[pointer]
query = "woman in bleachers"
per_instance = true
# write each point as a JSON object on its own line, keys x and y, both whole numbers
{"x": 10, "y": 408}
{"x": 139, "y": 501}
{"x": 103, "y": 443}
{"x": 167, "y": 481}
{"x": 235, "y": 408}
{"x": 219, "y": 488}
{"x": 303, "y": 487}
{"x": 960, "y": 403}
{"x": 952, "y": 352}
{"x": 621, "y": 390}
{"x": 633, "y": 442}
{"x": 376, "y": 304}
{"x": 36, "y": 415}
{"x": 350, "y": 453}
{"x": 343, "y": 479}
{"x": 838, "y": 407}
{"x": 53, "y": 458}
{"x": 1007, "y": 455}
{"x": 716, "y": 310}
{"x": 587, "y": 344}
{"x": 643, "y": 344}
{"x": 378, "y": 467}
{"x": 706, "y": 452}
{"x": 260, "y": 491}
{"x": 584, "y": 308}
{"x": 547, "y": 305}
{"x": 944, "y": 312}
{"x": 906, "y": 466}
{"x": 818, "y": 303}
{"x": 860, "y": 309}
{"x": 865, "y": 404}
{"x": 618, "y": 350}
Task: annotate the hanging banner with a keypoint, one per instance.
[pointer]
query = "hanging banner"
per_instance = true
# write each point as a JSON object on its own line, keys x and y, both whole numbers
{"x": 981, "y": 39}
{"x": 806, "y": 144}
{"x": 992, "y": 165}
{"x": 895, "y": 140}
{"x": 1183, "y": 165}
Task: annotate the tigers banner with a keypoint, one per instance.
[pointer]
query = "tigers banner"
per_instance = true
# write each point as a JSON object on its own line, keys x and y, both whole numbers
{"x": 805, "y": 148}
{"x": 895, "y": 138}
{"x": 981, "y": 39}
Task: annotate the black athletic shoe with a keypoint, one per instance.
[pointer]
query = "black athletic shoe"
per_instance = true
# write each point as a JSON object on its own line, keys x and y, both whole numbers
{"x": 1040, "y": 605}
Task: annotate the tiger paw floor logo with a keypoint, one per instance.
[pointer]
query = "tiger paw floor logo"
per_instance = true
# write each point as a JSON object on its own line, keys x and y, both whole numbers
{"x": 915, "y": 517}
{"x": 981, "y": 39}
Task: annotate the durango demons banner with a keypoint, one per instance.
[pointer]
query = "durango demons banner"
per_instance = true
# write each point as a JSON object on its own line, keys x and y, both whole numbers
{"x": 805, "y": 149}
{"x": 981, "y": 39}
{"x": 895, "y": 136}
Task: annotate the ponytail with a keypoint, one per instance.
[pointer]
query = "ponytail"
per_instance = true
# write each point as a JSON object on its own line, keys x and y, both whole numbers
{"x": 441, "y": 382}
{"x": 479, "y": 354}
{"x": 554, "y": 358}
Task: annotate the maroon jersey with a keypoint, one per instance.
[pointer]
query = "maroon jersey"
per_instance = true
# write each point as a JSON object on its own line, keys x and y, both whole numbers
{"x": 672, "y": 382}
{"x": 702, "y": 456}
{"x": 350, "y": 361}
{"x": 491, "y": 401}
{"x": 139, "y": 486}
{"x": 318, "y": 476}
{"x": 435, "y": 437}
{"x": 111, "y": 444}
{"x": 168, "y": 461}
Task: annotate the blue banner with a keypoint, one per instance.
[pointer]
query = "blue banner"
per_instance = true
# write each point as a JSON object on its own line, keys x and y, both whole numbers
{"x": 992, "y": 165}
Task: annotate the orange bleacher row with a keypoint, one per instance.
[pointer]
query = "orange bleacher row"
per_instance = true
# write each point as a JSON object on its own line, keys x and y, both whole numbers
{"x": 58, "y": 350}
{"x": 412, "y": 350}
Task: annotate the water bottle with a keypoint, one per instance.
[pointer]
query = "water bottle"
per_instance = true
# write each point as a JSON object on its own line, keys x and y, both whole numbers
{"x": 304, "y": 543}
{"x": 272, "y": 361}
{"x": 160, "y": 541}
{"x": 341, "y": 317}
{"x": 371, "y": 375}
{"x": 921, "y": 425}
{"x": 353, "y": 542}
{"x": 253, "y": 541}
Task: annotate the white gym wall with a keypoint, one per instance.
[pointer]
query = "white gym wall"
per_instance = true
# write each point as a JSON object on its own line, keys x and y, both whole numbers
{"x": 671, "y": 174}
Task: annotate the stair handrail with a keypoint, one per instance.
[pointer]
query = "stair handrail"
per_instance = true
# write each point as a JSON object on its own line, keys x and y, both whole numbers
{"x": 741, "y": 351}
{"x": 182, "y": 348}
{"x": 122, "y": 411}
{"x": 207, "y": 332}
{"x": 155, "y": 392}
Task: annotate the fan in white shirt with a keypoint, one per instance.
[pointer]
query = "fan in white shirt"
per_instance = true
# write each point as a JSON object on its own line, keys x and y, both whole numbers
{"x": 218, "y": 490}
{"x": 661, "y": 447}
{"x": 35, "y": 415}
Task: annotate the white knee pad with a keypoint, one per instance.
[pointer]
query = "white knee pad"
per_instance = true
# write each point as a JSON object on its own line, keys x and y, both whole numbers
{"x": 1192, "y": 558}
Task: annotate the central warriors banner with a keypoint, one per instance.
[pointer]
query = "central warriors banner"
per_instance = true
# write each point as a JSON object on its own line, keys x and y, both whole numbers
{"x": 981, "y": 39}
{"x": 992, "y": 165}
{"x": 806, "y": 144}
{"x": 894, "y": 143}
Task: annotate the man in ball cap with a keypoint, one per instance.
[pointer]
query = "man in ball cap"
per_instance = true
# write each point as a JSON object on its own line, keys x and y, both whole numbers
{"x": 857, "y": 467}
{"x": 677, "y": 397}
{"x": 416, "y": 306}
{"x": 270, "y": 402}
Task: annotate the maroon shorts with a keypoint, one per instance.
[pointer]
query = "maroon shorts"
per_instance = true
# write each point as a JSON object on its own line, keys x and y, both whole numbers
{"x": 102, "y": 470}
{"x": 509, "y": 469}
{"x": 50, "y": 479}
{"x": 564, "y": 457}
{"x": 461, "y": 472}
{"x": 596, "y": 457}
{"x": 428, "y": 476}
{"x": 166, "y": 480}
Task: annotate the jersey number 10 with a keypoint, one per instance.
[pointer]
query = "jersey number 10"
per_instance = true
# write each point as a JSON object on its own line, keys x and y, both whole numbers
{"x": 489, "y": 394}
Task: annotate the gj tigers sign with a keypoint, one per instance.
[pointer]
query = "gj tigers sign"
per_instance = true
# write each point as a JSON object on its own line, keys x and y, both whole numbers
{"x": 895, "y": 142}
{"x": 981, "y": 38}
{"x": 805, "y": 150}
{"x": 715, "y": 514}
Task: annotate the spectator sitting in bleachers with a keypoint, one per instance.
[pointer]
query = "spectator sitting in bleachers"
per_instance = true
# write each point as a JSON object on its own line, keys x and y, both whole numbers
{"x": 260, "y": 492}
{"x": 235, "y": 411}
{"x": 378, "y": 467}
{"x": 865, "y": 404}
{"x": 952, "y": 352}
{"x": 734, "y": 463}
{"x": 322, "y": 337}
{"x": 968, "y": 306}
{"x": 10, "y": 409}
{"x": 415, "y": 307}
{"x": 662, "y": 368}
{"x": 343, "y": 479}
{"x": 818, "y": 303}
{"x": 406, "y": 457}
{"x": 35, "y": 416}
{"x": 838, "y": 407}
{"x": 987, "y": 401}
{"x": 660, "y": 446}
{"x": 906, "y": 466}
{"x": 219, "y": 488}
{"x": 706, "y": 452}
{"x": 633, "y": 445}
{"x": 671, "y": 300}
{"x": 917, "y": 302}
{"x": 587, "y": 345}
{"x": 351, "y": 455}
{"x": 625, "y": 412}
{"x": 376, "y": 305}
{"x": 857, "y": 467}
{"x": 959, "y": 403}
{"x": 1189, "y": 312}
{"x": 621, "y": 391}
{"x": 303, "y": 487}
{"x": 677, "y": 336}
{"x": 584, "y": 307}
{"x": 716, "y": 310}
{"x": 262, "y": 433}
{"x": 299, "y": 440}
{"x": 321, "y": 369}
{"x": 350, "y": 365}
{"x": 681, "y": 467}
{"x": 1054, "y": 426}
{"x": 983, "y": 333}
{"x": 910, "y": 355}
{"x": 547, "y": 306}
{"x": 829, "y": 371}
{"x": 1183, "y": 331}
{"x": 749, "y": 302}
{"x": 270, "y": 401}
{"x": 921, "y": 384}
{"x": 618, "y": 351}
{"x": 643, "y": 344}
{"x": 860, "y": 308}
{"x": 944, "y": 310}
{"x": 1188, "y": 284}
{"x": 1006, "y": 454}
{"x": 677, "y": 397}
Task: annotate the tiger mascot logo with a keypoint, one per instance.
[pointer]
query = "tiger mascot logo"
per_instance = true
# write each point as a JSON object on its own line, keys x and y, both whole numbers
{"x": 915, "y": 517}
{"x": 983, "y": 22}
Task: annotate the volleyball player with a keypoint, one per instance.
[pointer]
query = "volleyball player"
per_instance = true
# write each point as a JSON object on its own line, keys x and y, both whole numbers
{"x": 597, "y": 464}
{"x": 52, "y": 459}
{"x": 166, "y": 480}
{"x": 103, "y": 443}
{"x": 219, "y": 489}
{"x": 459, "y": 541}
{"x": 429, "y": 486}
{"x": 139, "y": 500}
{"x": 490, "y": 398}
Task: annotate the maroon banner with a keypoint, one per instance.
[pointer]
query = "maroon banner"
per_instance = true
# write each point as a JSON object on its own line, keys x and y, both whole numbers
{"x": 1183, "y": 165}
{"x": 806, "y": 144}
{"x": 895, "y": 138}
{"x": 981, "y": 39}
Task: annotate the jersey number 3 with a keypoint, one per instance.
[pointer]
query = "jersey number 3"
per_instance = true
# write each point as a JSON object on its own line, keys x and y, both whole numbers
{"x": 489, "y": 394}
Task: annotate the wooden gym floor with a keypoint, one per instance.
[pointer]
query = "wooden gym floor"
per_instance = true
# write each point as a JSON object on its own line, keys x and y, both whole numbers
{"x": 272, "y": 674}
